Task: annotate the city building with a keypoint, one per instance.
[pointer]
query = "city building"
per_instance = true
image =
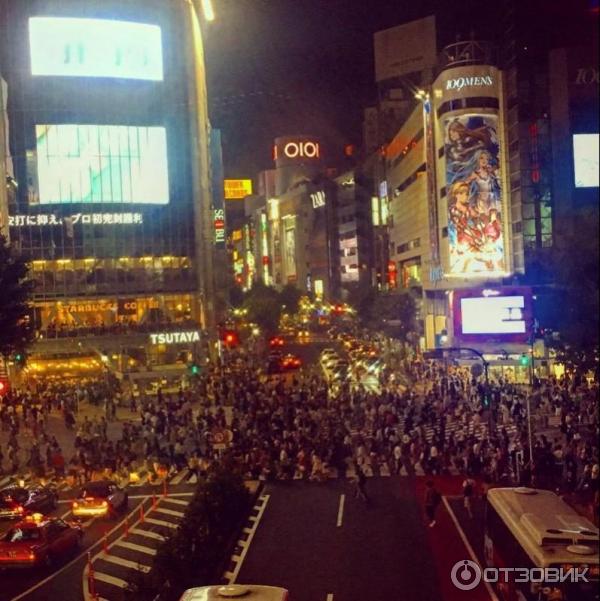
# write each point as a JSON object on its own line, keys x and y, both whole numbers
{"x": 111, "y": 201}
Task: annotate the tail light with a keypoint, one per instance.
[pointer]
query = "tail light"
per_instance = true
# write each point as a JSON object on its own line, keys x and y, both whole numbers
{"x": 104, "y": 503}
{"x": 20, "y": 509}
{"x": 75, "y": 504}
{"x": 31, "y": 556}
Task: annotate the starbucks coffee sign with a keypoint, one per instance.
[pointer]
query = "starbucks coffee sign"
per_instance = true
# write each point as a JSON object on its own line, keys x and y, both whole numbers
{"x": 175, "y": 337}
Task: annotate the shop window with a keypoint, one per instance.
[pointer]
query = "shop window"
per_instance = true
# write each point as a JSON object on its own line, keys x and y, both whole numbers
{"x": 410, "y": 272}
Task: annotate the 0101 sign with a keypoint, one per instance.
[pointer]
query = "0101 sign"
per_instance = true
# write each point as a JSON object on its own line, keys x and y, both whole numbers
{"x": 299, "y": 150}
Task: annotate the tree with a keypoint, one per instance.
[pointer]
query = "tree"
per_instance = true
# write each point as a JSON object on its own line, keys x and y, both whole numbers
{"x": 393, "y": 312}
{"x": 264, "y": 307}
{"x": 290, "y": 298}
{"x": 16, "y": 330}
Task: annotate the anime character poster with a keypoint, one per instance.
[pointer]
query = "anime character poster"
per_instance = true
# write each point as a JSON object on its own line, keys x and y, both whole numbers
{"x": 475, "y": 233}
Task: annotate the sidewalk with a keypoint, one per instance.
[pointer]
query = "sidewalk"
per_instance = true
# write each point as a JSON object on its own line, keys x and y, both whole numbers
{"x": 447, "y": 544}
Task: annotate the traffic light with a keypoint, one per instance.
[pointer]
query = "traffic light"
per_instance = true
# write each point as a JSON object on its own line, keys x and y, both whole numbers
{"x": 4, "y": 386}
{"x": 20, "y": 358}
{"x": 487, "y": 401}
{"x": 230, "y": 338}
{"x": 195, "y": 369}
{"x": 524, "y": 360}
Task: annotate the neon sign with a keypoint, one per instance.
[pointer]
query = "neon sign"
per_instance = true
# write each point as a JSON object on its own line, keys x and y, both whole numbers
{"x": 175, "y": 337}
{"x": 318, "y": 199}
{"x": 299, "y": 150}
{"x": 45, "y": 219}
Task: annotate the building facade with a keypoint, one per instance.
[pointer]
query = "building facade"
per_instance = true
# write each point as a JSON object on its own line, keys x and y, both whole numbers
{"x": 107, "y": 205}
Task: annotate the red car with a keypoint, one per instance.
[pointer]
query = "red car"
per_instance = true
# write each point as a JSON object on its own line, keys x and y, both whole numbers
{"x": 38, "y": 541}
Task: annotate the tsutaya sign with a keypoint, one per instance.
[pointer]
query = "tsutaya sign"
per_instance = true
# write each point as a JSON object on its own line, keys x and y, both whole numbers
{"x": 175, "y": 337}
{"x": 458, "y": 83}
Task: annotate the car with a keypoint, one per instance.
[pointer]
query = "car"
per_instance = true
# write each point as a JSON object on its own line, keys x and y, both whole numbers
{"x": 290, "y": 361}
{"x": 249, "y": 592}
{"x": 38, "y": 541}
{"x": 303, "y": 334}
{"x": 100, "y": 498}
{"x": 18, "y": 501}
{"x": 276, "y": 341}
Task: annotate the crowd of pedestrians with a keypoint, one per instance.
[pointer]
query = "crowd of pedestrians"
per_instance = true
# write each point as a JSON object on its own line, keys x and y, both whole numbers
{"x": 292, "y": 427}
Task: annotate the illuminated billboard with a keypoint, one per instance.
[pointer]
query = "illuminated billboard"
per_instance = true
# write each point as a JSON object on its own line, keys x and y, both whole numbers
{"x": 498, "y": 314}
{"x": 100, "y": 164}
{"x": 73, "y": 47}
{"x": 473, "y": 187}
{"x": 237, "y": 189}
{"x": 585, "y": 155}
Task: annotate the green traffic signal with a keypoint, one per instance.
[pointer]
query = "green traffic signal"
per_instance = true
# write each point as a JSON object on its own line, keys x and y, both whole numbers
{"x": 524, "y": 361}
{"x": 195, "y": 369}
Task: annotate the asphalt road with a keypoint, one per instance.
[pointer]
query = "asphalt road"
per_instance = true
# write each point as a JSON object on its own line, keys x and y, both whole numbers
{"x": 365, "y": 552}
{"x": 63, "y": 580}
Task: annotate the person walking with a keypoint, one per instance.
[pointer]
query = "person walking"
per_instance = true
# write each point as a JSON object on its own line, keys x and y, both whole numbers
{"x": 360, "y": 491}
{"x": 468, "y": 492}
{"x": 432, "y": 500}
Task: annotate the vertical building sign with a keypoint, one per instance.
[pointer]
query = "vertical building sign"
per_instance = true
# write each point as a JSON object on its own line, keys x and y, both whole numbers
{"x": 473, "y": 187}
{"x": 264, "y": 244}
{"x": 216, "y": 164}
{"x": 289, "y": 253}
{"x": 434, "y": 241}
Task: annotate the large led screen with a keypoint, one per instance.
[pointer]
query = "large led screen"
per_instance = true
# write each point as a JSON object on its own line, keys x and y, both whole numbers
{"x": 95, "y": 48}
{"x": 499, "y": 314}
{"x": 585, "y": 154}
{"x": 473, "y": 184}
{"x": 101, "y": 164}
{"x": 495, "y": 315}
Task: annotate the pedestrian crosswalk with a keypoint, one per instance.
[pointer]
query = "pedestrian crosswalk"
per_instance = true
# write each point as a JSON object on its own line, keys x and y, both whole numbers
{"x": 120, "y": 564}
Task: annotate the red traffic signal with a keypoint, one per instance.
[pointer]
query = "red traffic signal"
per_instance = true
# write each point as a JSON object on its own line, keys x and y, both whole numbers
{"x": 230, "y": 338}
{"x": 4, "y": 386}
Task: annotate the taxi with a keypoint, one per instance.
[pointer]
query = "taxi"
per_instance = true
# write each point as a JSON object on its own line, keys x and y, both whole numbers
{"x": 38, "y": 540}
{"x": 100, "y": 498}
{"x": 18, "y": 501}
{"x": 247, "y": 592}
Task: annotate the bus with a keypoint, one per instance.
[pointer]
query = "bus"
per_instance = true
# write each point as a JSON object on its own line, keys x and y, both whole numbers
{"x": 530, "y": 528}
{"x": 241, "y": 592}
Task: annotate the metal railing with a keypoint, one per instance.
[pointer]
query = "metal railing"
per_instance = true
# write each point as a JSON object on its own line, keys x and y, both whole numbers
{"x": 470, "y": 52}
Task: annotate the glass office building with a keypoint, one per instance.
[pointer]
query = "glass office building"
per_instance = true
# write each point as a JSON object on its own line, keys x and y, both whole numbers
{"x": 100, "y": 178}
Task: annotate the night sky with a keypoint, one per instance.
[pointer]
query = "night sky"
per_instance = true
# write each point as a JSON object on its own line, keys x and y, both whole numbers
{"x": 278, "y": 67}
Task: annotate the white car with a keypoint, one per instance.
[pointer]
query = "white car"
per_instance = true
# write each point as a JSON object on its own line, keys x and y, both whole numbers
{"x": 244, "y": 592}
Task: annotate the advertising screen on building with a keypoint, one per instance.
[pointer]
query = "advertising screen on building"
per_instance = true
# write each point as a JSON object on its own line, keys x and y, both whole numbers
{"x": 502, "y": 314}
{"x": 237, "y": 189}
{"x": 100, "y": 164}
{"x": 586, "y": 158}
{"x": 74, "y": 47}
{"x": 475, "y": 229}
